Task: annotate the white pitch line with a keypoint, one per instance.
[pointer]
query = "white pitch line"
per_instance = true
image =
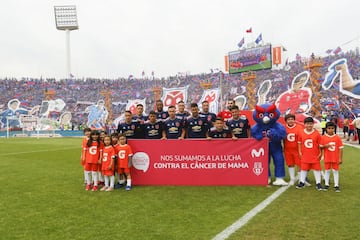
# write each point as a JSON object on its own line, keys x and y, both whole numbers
{"x": 247, "y": 217}
{"x": 45, "y": 150}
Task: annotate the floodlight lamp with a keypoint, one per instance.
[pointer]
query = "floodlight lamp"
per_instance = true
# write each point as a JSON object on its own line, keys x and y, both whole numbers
{"x": 66, "y": 17}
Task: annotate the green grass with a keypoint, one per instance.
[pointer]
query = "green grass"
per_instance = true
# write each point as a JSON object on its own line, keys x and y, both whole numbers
{"x": 42, "y": 197}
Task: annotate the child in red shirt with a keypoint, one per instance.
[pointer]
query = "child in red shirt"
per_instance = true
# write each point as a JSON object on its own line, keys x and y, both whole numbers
{"x": 332, "y": 152}
{"x": 124, "y": 160}
{"x": 107, "y": 166}
{"x": 291, "y": 152}
{"x": 309, "y": 152}
{"x": 93, "y": 153}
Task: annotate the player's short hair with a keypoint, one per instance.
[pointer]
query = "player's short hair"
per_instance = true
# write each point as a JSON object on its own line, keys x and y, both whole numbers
{"x": 289, "y": 115}
{"x": 181, "y": 101}
{"x": 330, "y": 124}
{"x": 171, "y": 106}
{"x": 115, "y": 135}
{"x": 205, "y": 101}
{"x": 87, "y": 129}
{"x": 194, "y": 105}
{"x": 122, "y": 135}
{"x": 152, "y": 112}
{"x": 235, "y": 107}
{"x": 139, "y": 105}
{"x": 309, "y": 120}
{"x": 218, "y": 119}
{"x": 128, "y": 111}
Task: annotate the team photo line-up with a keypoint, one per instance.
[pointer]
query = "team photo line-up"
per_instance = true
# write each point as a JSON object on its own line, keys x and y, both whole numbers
{"x": 105, "y": 156}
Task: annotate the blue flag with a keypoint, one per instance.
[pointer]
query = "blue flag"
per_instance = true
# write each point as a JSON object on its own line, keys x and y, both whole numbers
{"x": 242, "y": 41}
{"x": 258, "y": 39}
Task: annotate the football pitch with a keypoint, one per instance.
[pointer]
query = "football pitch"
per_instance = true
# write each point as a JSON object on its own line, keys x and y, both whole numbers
{"x": 42, "y": 196}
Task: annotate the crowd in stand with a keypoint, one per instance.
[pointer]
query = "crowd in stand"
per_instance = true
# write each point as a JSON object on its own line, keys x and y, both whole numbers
{"x": 30, "y": 91}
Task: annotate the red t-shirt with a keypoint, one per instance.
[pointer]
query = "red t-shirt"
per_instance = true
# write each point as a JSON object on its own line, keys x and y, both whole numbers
{"x": 225, "y": 115}
{"x": 310, "y": 146}
{"x": 124, "y": 152}
{"x": 331, "y": 154}
{"x": 107, "y": 158}
{"x": 292, "y": 136}
{"x": 92, "y": 154}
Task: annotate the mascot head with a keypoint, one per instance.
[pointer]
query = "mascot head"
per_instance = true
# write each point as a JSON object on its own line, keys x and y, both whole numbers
{"x": 266, "y": 114}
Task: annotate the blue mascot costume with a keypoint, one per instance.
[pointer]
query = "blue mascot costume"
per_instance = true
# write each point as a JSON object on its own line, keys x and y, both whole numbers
{"x": 266, "y": 116}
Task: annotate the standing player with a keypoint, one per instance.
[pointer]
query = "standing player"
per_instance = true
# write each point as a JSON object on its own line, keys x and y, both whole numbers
{"x": 173, "y": 127}
{"x": 332, "y": 152}
{"x": 309, "y": 152}
{"x": 160, "y": 113}
{"x": 238, "y": 125}
{"x": 152, "y": 128}
{"x": 107, "y": 166}
{"x": 124, "y": 161}
{"x": 140, "y": 117}
{"x": 291, "y": 151}
{"x": 226, "y": 114}
{"x": 196, "y": 127}
{"x": 93, "y": 153}
{"x": 205, "y": 114}
{"x": 219, "y": 130}
{"x": 181, "y": 112}
{"x": 129, "y": 127}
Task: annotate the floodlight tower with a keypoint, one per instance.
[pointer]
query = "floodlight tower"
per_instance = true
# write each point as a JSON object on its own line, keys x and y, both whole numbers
{"x": 66, "y": 20}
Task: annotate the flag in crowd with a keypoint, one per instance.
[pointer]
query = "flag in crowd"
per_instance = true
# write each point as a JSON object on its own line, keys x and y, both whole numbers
{"x": 143, "y": 73}
{"x": 241, "y": 43}
{"x": 329, "y": 51}
{"x": 298, "y": 57}
{"x": 337, "y": 50}
{"x": 249, "y": 30}
{"x": 258, "y": 39}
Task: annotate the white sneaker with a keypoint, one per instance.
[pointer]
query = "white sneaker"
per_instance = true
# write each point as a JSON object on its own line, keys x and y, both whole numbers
{"x": 269, "y": 180}
{"x": 291, "y": 182}
{"x": 307, "y": 184}
{"x": 280, "y": 182}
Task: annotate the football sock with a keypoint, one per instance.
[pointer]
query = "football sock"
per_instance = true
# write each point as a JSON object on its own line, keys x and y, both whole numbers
{"x": 95, "y": 177}
{"x": 303, "y": 175}
{"x": 327, "y": 177}
{"x": 101, "y": 177}
{"x": 106, "y": 181}
{"x": 87, "y": 177}
{"x": 291, "y": 173}
{"x": 112, "y": 181}
{"x": 336, "y": 177}
{"x": 317, "y": 175}
{"x": 128, "y": 182}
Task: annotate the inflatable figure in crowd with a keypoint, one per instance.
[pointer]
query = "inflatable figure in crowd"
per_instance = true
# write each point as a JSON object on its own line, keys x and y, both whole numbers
{"x": 263, "y": 91}
{"x": 348, "y": 85}
{"x": 296, "y": 100}
{"x": 266, "y": 116}
{"x": 13, "y": 112}
{"x": 240, "y": 101}
{"x": 97, "y": 115}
